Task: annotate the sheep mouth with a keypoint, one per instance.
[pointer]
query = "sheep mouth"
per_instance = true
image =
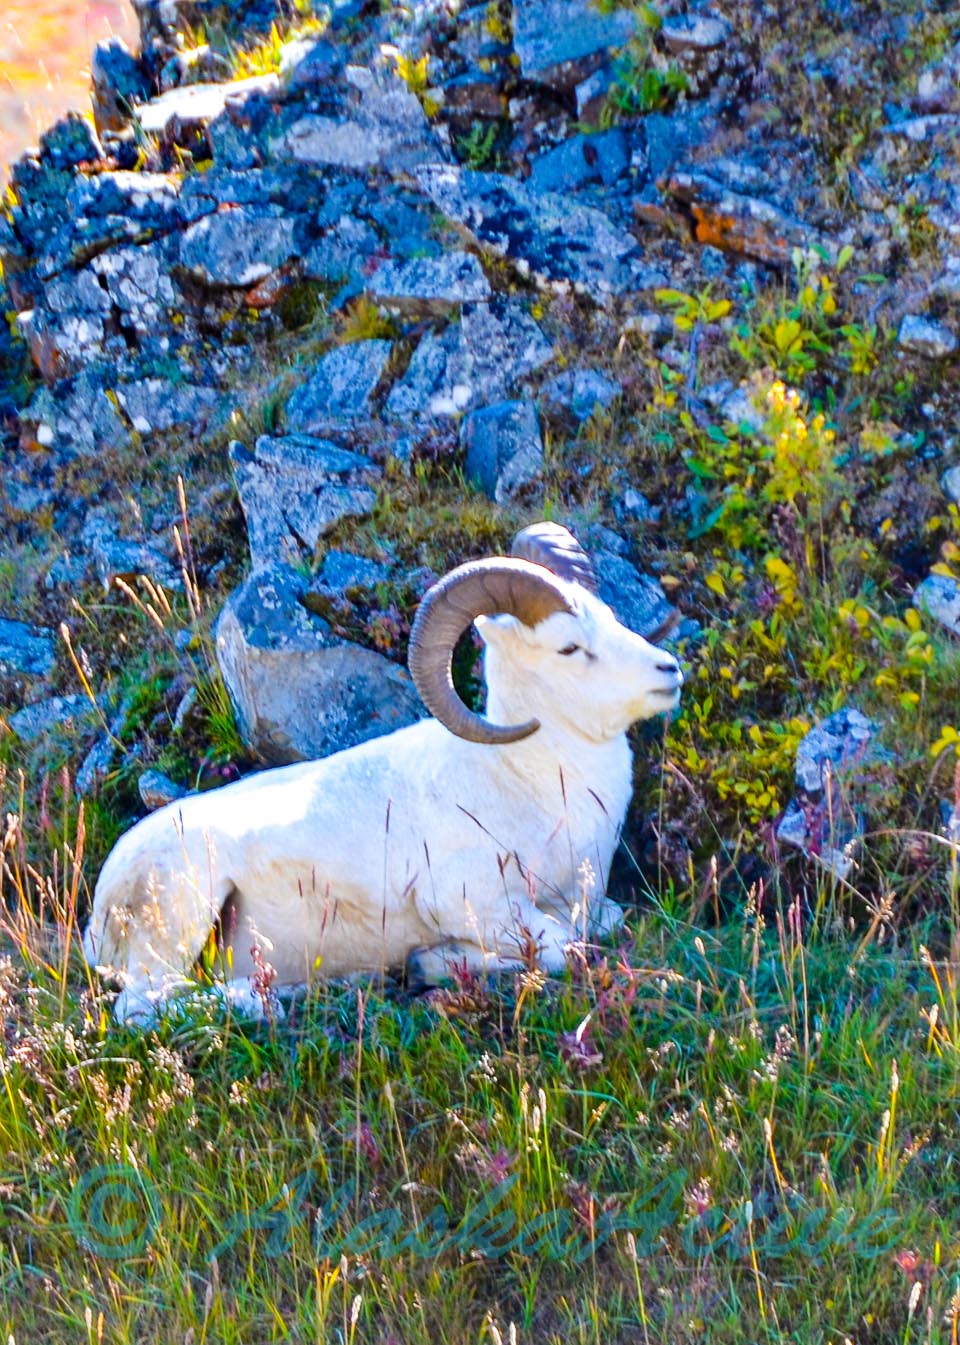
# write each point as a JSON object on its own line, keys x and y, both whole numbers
{"x": 671, "y": 694}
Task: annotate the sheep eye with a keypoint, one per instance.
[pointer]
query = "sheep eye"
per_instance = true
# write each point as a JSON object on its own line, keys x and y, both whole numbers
{"x": 569, "y": 649}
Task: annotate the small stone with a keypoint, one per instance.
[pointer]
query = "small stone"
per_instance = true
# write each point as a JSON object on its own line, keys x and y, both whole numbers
{"x": 25, "y": 649}
{"x": 504, "y": 451}
{"x": 939, "y": 595}
{"x": 581, "y": 391}
{"x": 298, "y": 691}
{"x": 305, "y": 62}
{"x": 157, "y": 790}
{"x": 924, "y": 336}
{"x": 294, "y": 489}
{"x": 842, "y": 742}
{"x": 237, "y": 247}
{"x": 683, "y": 33}
{"x": 734, "y": 222}
{"x": 117, "y": 557}
{"x": 950, "y": 481}
{"x": 80, "y": 418}
{"x": 156, "y": 405}
{"x": 342, "y": 253}
{"x": 339, "y": 388}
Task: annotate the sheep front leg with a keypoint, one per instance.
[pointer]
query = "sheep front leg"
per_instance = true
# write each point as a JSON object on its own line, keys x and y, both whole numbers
{"x": 505, "y": 951}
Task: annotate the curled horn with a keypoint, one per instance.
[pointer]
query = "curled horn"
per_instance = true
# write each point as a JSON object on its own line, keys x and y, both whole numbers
{"x": 479, "y": 588}
{"x": 558, "y": 550}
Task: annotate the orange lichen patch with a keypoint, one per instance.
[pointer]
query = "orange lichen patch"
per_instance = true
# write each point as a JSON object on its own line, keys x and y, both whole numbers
{"x": 741, "y": 234}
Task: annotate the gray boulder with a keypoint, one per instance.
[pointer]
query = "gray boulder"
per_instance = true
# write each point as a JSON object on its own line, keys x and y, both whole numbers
{"x": 298, "y": 691}
{"x": 339, "y": 387}
{"x": 504, "y": 451}
{"x": 294, "y": 489}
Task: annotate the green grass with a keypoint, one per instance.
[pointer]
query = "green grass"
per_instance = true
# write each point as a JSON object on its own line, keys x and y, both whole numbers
{"x": 745, "y": 1133}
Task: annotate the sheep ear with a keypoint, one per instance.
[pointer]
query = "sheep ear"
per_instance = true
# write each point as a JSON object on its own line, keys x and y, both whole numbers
{"x": 496, "y": 630}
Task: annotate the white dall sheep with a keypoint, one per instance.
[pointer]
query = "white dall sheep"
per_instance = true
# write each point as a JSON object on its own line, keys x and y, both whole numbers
{"x": 436, "y": 844}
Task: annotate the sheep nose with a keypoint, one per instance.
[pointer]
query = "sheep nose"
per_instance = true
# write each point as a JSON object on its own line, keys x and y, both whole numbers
{"x": 672, "y": 667}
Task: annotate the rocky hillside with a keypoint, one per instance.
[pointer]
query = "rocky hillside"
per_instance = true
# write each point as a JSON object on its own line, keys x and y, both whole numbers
{"x": 325, "y": 299}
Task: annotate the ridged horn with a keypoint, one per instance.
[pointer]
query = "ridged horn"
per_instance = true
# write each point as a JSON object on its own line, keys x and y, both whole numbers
{"x": 557, "y": 549}
{"x": 479, "y": 588}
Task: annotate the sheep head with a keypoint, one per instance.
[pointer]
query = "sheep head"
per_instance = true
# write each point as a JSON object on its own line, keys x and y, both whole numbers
{"x": 555, "y": 652}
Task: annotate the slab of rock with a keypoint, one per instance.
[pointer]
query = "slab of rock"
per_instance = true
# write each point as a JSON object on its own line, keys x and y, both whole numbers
{"x": 430, "y": 284}
{"x": 557, "y": 241}
{"x": 939, "y": 595}
{"x": 299, "y": 692}
{"x": 560, "y": 42}
{"x": 503, "y": 448}
{"x": 581, "y": 391}
{"x": 339, "y": 388}
{"x": 64, "y": 714}
{"x": 197, "y": 104}
{"x": 733, "y": 222}
{"x": 388, "y": 128}
{"x": 294, "y": 489}
{"x": 925, "y": 336}
{"x": 582, "y": 159}
{"x": 481, "y": 360}
{"x": 237, "y": 247}
{"x": 25, "y": 649}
